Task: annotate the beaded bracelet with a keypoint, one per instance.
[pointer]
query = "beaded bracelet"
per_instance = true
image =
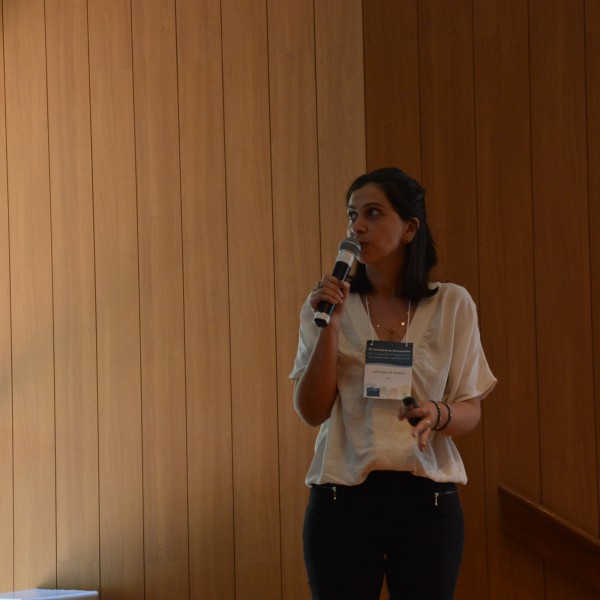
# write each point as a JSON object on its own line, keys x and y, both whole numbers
{"x": 439, "y": 415}
{"x": 449, "y": 417}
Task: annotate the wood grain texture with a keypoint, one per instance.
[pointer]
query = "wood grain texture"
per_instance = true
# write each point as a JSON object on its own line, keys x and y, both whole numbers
{"x": 592, "y": 54}
{"x": 6, "y": 395}
{"x": 117, "y": 302}
{"x": 148, "y": 249}
{"x": 511, "y": 431}
{"x": 562, "y": 260}
{"x": 31, "y": 295}
{"x": 251, "y": 294}
{"x": 448, "y": 135}
{"x": 528, "y": 64}
{"x": 297, "y": 254}
{"x": 392, "y": 92}
{"x": 206, "y": 292}
{"x": 161, "y": 298}
{"x": 76, "y": 409}
{"x": 448, "y": 174}
{"x": 550, "y": 536}
{"x": 340, "y": 114}
{"x": 226, "y": 147}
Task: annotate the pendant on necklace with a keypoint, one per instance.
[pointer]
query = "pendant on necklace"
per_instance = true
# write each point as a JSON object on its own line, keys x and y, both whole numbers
{"x": 390, "y": 330}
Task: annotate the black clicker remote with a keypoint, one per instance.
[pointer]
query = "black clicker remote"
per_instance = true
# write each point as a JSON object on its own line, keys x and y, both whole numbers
{"x": 409, "y": 404}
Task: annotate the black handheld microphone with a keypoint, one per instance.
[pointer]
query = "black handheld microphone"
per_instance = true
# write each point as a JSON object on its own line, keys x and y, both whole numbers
{"x": 349, "y": 248}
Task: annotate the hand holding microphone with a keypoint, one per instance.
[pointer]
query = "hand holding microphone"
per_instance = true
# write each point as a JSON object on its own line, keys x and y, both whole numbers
{"x": 348, "y": 250}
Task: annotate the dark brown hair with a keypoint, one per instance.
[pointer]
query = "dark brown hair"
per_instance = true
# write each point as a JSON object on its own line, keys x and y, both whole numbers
{"x": 407, "y": 198}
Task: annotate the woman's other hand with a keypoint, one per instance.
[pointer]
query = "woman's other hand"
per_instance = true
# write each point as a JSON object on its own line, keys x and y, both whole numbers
{"x": 427, "y": 413}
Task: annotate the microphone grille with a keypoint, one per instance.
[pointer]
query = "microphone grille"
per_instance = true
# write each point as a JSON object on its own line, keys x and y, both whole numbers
{"x": 350, "y": 244}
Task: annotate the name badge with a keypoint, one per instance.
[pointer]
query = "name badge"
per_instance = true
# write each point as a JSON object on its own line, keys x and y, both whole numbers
{"x": 388, "y": 370}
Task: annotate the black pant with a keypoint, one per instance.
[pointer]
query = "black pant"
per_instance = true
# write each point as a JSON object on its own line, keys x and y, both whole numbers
{"x": 406, "y": 527}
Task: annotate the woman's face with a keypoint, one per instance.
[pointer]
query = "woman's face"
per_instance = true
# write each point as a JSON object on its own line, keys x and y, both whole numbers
{"x": 381, "y": 231}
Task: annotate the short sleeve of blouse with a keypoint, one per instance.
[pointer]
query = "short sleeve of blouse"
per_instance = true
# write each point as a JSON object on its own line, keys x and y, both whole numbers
{"x": 307, "y": 339}
{"x": 470, "y": 375}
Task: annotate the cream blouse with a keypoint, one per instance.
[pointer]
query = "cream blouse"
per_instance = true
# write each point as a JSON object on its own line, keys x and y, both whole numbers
{"x": 364, "y": 434}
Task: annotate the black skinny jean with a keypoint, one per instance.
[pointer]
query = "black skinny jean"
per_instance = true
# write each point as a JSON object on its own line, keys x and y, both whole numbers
{"x": 408, "y": 528}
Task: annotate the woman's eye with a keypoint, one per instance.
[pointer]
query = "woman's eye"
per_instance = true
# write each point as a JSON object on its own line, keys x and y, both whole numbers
{"x": 373, "y": 212}
{"x": 352, "y": 217}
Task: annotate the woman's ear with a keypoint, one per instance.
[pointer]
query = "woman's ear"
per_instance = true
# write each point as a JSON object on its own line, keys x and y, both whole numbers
{"x": 411, "y": 230}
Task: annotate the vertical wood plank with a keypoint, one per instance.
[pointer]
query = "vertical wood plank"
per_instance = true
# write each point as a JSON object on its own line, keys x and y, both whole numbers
{"x": 250, "y": 247}
{"x": 448, "y": 174}
{"x": 210, "y": 486}
{"x": 6, "y": 394}
{"x": 340, "y": 113}
{"x": 31, "y": 295}
{"x": 392, "y": 112}
{"x": 74, "y": 290}
{"x": 117, "y": 302}
{"x": 592, "y": 57}
{"x": 161, "y": 298}
{"x": 448, "y": 135}
{"x": 506, "y": 268}
{"x": 297, "y": 257}
{"x": 562, "y": 257}
{"x": 558, "y": 97}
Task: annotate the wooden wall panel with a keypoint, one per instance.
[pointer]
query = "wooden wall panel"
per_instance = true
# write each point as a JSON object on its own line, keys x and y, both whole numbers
{"x": 117, "y": 302}
{"x": 448, "y": 174}
{"x": 507, "y": 302}
{"x": 340, "y": 114}
{"x": 114, "y": 238}
{"x": 289, "y": 125}
{"x": 76, "y": 410}
{"x": 140, "y": 240}
{"x": 448, "y": 135}
{"x": 391, "y": 58}
{"x": 252, "y": 310}
{"x": 531, "y": 228}
{"x": 206, "y": 292}
{"x": 592, "y": 36}
{"x": 6, "y": 409}
{"x": 161, "y": 298}
{"x": 295, "y": 178}
{"x": 568, "y": 443}
{"x": 31, "y": 295}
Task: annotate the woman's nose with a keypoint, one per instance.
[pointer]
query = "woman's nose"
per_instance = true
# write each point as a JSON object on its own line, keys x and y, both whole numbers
{"x": 356, "y": 227}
